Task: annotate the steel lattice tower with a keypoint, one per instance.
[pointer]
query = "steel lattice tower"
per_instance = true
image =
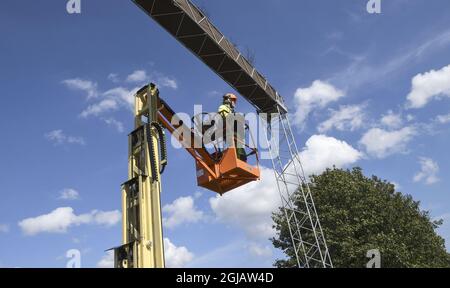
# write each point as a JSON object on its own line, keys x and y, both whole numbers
{"x": 296, "y": 198}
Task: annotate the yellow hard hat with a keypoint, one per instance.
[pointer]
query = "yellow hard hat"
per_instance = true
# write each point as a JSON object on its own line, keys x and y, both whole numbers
{"x": 230, "y": 96}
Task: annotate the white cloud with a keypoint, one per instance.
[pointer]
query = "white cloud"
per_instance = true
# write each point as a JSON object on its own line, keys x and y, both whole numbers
{"x": 99, "y": 108}
{"x": 123, "y": 96}
{"x": 141, "y": 76}
{"x": 113, "y": 99}
{"x": 4, "y": 228}
{"x": 410, "y": 117}
{"x": 349, "y": 117}
{"x": 397, "y": 186}
{"x": 116, "y": 98}
{"x": 249, "y": 207}
{"x": 335, "y": 36}
{"x": 318, "y": 95}
{"x": 59, "y": 137}
{"x": 381, "y": 143}
{"x": 106, "y": 218}
{"x": 392, "y": 120}
{"x": 258, "y": 250}
{"x": 322, "y": 152}
{"x": 69, "y": 194}
{"x": 107, "y": 260}
{"x": 83, "y": 85}
{"x": 428, "y": 171}
{"x": 138, "y": 76}
{"x": 428, "y": 86}
{"x": 443, "y": 119}
{"x": 167, "y": 82}
{"x": 215, "y": 93}
{"x": 176, "y": 257}
{"x": 223, "y": 256}
{"x": 115, "y": 123}
{"x": 113, "y": 77}
{"x": 180, "y": 211}
{"x": 61, "y": 219}
{"x": 57, "y": 221}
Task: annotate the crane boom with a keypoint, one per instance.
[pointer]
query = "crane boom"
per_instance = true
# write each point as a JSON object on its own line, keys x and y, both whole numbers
{"x": 218, "y": 169}
{"x": 188, "y": 24}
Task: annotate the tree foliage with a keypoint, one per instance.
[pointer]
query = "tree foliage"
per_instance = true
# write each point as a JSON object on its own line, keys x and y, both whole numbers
{"x": 358, "y": 214}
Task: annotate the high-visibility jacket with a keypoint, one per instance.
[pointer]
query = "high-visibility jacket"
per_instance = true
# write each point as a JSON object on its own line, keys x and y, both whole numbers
{"x": 224, "y": 110}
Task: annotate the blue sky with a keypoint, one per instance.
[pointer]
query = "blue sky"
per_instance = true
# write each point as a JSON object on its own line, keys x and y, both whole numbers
{"x": 66, "y": 81}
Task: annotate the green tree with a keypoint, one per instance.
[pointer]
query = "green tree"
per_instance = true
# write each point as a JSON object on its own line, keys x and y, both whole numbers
{"x": 358, "y": 213}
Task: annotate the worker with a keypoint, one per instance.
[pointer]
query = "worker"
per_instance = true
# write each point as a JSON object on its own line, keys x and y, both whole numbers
{"x": 228, "y": 107}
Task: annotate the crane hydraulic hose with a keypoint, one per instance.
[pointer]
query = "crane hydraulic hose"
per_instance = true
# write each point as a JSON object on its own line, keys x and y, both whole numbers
{"x": 163, "y": 149}
{"x": 162, "y": 145}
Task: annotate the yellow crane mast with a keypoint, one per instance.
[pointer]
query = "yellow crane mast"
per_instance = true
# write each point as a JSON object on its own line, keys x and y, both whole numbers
{"x": 141, "y": 203}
